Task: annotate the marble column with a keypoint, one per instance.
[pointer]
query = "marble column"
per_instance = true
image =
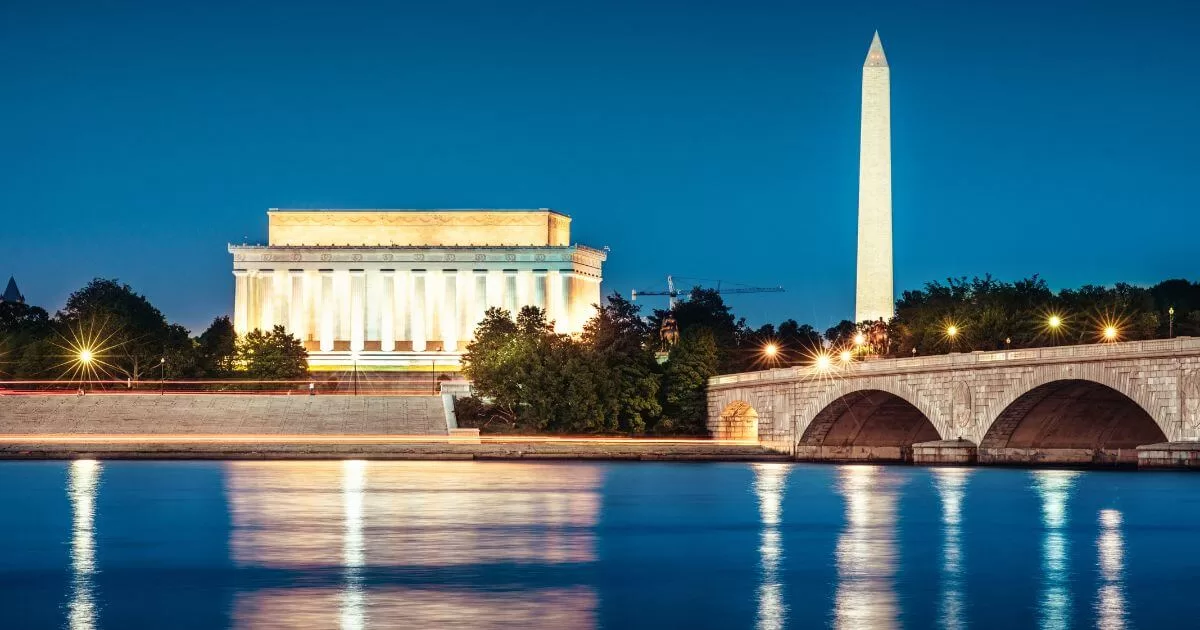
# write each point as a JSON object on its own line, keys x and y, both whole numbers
{"x": 565, "y": 280}
{"x": 480, "y": 305}
{"x": 387, "y": 319}
{"x": 449, "y": 310}
{"x": 345, "y": 317}
{"x": 297, "y": 301}
{"x": 240, "y": 290}
{"x": 417, "y": 311}
{"x": 511, "y": 295}
{"x": 358, "y": 312}
{"x": 539, "y": 290}
{"x": 328, "y": 311}
{"x": 402, "y": 306}
{"x": 266, "y": 299}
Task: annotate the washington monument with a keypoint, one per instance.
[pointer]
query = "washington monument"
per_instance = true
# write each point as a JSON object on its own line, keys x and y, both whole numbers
{"x": 874, "y": 298}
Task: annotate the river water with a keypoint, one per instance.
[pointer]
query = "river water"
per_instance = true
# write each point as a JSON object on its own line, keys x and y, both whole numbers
{"x": 575, "y": 545}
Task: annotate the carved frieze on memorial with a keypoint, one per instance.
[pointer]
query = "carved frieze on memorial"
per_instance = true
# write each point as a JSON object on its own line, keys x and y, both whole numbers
{"x": 510, "y": 257}
{"x": 418, "y": 256}
{"x": 356, "y": 257}
{"x": 450, "y": 257}
{"x": 539, "y": 257}
{"x": 480, "y": 257}
{"x": 297, "y": 257}
{"x": 326, "y": 257}
{"x": 387, "y": 257}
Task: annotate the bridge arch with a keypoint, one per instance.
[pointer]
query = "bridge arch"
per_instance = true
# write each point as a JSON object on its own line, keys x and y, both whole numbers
{"x": 738, "y": 421}
{"x": 866, "y": 422}
{"x": 1071, "y": 417}
{"x": 839, "y": 389}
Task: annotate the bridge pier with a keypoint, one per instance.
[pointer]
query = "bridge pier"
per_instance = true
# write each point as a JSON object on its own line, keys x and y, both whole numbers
{"x": 960, "y": 452}
{"x": 817, "y": 453}
{"x": 1169, "y": 455}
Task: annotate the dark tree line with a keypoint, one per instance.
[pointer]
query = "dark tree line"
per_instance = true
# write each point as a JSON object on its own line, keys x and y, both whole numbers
{"x": 123, "y": 336}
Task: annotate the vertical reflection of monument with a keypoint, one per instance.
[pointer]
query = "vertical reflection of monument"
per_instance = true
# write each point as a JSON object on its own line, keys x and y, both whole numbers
{"x": 769, "y": 483}
{"x": 1054, "y": 488}
{"x": 354, "y": 557}
{"x": 83, "y": 479}
{"x": 951, "y": 483}
{"x": 866, "y": 550}
{"x": 435, "y": 520}
{"x": 1110, "y": 547}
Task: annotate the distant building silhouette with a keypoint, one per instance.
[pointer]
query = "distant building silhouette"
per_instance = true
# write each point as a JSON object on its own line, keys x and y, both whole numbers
{"x": 12, "y": 293}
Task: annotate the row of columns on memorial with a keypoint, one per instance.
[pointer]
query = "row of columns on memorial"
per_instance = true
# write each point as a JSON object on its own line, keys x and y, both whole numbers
{"x": 417, "y": 306}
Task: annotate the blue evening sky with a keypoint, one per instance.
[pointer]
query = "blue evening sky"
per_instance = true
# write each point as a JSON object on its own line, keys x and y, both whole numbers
{"x": 713, "y": 140}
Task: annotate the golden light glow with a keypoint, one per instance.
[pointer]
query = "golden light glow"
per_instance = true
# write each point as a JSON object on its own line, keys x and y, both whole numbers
{"x": 824, "y": 362}
{"x": 1111, "y": 333}
{"x": 952, "y": 331}
{"x": 770, "y": 350}
{"x": 846, "y": 356}
{"x": 1054, "y": 322}
{"x": 86, "y": 348}
{"x": 860, "y": 339}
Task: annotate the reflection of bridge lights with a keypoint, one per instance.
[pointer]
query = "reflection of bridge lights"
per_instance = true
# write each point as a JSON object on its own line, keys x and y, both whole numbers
{"x": 951, "y": 484}
{"x": 1054, "y": 488}
{"x": 769, "y": 481}
{"x": 866, "y": 553}
{"x": 354, "y": 482}
{"x": 1110, "y": 547}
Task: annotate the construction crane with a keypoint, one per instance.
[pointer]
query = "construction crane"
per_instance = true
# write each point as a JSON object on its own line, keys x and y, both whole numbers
{"x": 673, "y": 294}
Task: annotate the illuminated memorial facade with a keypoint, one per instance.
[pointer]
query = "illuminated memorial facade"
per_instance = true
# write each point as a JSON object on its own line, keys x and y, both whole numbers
{"x": 407, "y": 287}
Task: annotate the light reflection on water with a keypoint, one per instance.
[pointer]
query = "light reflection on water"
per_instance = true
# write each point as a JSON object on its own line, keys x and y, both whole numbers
{"x": 866, "y": 550}
{"x": 359, "y": 544}
{"x": 83, "y": 477}
{"x": 411, "y": 516}
{"x": 769, "y": 481}
{"x": 951, "y": 485}
{"x": 1110, "y": 547}
{"x": 1054, "y": 488}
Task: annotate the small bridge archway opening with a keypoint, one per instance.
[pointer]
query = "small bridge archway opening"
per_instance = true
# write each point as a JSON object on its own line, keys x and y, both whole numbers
{"x": 1070, "y": 422}
{"x": 866, "y": 425}
{"x": 739, "y": 421}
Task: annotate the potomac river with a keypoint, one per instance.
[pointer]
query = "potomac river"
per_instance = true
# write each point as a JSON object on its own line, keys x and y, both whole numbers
{"x": 372, "y": 544}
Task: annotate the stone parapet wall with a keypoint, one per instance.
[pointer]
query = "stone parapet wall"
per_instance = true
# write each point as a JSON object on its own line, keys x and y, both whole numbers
{"x": 221, "y": 413}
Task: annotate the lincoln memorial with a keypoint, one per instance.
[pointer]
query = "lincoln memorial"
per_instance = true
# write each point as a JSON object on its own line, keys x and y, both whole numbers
{"x": 407, "y": 287}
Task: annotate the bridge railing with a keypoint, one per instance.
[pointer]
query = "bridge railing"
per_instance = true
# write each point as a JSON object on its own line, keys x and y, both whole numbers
{"x": 968, "y": 360}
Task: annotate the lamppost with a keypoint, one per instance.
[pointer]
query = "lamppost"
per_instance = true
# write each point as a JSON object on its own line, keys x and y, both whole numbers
{"x": 354, "y": 377}
{"x": 1171, "y": 323}
{"x": 433, "y": 378}
{"x": 1007, "y": 343}
{"x": 951, "y": 334}
{"x": 162, "y": 376}
{"x": 1110, "y": 333}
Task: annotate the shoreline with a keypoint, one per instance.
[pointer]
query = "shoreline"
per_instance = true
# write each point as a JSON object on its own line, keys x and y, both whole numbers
{"x": 199, "y": 447}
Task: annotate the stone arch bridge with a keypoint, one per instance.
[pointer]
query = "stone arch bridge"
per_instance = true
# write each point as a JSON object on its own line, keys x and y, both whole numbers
{"x": 1087, "y": 404}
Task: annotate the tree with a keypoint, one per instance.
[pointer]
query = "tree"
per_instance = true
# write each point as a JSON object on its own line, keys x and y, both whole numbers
{"x": 216, "y": 350}
{"x": 130, "y": 332}
{"x": 22, "y": 327}
{"x": 619, "y": 337}
{"x": 685, "y": 383}
{"x": 271, "y": 356}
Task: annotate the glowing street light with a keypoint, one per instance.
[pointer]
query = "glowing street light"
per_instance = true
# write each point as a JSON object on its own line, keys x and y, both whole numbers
{"x": 860, "y": 339}
{"x": 1111, "y": 333}
{"x": 85, "y": 357}
{"x": 846, "y": 356}
{"x": 1054, "y": 322}
{"x": 770, "y": 350}
{"x": 824, "y": 362}
{"x": 952, "y": 331}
